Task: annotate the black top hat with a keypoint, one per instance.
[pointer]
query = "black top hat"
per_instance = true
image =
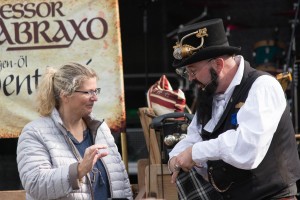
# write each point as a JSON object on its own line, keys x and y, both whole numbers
{"x": 201, "y": 41}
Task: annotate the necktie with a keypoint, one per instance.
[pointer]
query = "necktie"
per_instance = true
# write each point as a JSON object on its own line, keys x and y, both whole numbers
{"x": 219, "y": 106}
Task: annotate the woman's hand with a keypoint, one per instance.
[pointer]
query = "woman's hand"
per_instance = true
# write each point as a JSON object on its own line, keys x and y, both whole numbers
{"x": 91, "y": 155}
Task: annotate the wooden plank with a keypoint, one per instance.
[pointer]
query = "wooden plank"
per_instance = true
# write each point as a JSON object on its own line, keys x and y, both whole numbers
{"x": 141, "y": 194}
{"x": 141, "y": 166}
{"x": 13, "y": 195}
{"x": 158, "y": 184}
{"x": 149, "y": 134}
{"x": 146, "y": 131}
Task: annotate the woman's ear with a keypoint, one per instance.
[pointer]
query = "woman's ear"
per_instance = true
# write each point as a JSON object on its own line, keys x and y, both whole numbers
{"x": 63, "y": 97}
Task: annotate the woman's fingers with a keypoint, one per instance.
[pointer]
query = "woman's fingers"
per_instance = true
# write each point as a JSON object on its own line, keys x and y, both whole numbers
{"x": 91, "y": 155}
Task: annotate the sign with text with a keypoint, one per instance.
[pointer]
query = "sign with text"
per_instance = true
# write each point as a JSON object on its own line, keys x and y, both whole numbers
{"x": 35, "y": 34}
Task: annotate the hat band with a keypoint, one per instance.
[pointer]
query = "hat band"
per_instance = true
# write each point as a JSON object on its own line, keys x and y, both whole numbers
{"x": 184, "y": 50}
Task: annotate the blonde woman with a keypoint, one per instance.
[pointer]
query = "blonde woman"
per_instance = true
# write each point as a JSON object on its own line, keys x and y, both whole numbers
{"x": 66, "y": 153}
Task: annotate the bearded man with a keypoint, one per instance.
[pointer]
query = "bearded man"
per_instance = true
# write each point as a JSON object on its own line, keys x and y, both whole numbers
{"x": 242, "y": 138}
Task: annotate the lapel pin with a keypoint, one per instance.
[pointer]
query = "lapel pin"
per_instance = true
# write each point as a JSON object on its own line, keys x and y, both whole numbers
{"x": 239, "y": 105}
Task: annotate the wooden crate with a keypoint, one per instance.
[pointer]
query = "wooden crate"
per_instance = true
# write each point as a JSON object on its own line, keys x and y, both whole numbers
{"x": 158, "y": 184}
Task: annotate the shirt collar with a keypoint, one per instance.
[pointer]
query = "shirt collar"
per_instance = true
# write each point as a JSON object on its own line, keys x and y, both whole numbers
{"x": 226, "y": 96}
{"x": 236, "y": 79}
{"x": 238, "y": 75}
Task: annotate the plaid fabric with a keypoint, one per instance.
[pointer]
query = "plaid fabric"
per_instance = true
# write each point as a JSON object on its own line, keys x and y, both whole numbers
{"x": 191, "y": 185}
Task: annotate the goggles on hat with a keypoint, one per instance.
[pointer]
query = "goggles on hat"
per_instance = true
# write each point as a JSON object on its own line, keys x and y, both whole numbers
{"x": 184, "y": 50}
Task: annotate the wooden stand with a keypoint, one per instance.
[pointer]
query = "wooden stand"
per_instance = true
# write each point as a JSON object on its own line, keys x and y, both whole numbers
{"x": 157, "y": 184}
{"x": 146, "y": 115}
{"x": 160, "y": 183}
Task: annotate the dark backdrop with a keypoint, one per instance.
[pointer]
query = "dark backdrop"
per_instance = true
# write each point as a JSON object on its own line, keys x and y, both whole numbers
{"x": 148, "y": 32}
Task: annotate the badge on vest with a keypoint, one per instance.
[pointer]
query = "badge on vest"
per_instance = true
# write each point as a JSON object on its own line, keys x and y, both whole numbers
{"x": 234, "y": 120}
{"x": 239, "y": 105}
{"x": 234, "y": 115}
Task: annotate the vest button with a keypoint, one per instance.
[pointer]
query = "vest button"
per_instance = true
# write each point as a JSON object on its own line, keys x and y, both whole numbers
{"x": 224, "y": 169}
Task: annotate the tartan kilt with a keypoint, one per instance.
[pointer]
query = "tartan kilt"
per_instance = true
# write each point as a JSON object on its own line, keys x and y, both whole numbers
{"x": 192, "y": 186}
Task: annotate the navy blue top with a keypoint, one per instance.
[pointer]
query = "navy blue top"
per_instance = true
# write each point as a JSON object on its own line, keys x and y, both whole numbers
{"x": 98, "y": 175}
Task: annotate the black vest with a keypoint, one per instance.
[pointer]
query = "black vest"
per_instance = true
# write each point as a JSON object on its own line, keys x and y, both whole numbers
{"x": 278, "y": 170}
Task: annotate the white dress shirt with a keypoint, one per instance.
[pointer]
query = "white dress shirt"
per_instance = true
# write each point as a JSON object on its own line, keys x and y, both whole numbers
{"x": 258, "y": 119}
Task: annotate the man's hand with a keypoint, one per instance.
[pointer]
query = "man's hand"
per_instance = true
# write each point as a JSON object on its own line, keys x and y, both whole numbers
{"x": 174, "y": 167}
{"x": 184, "y": 159}
{"x": 174, "y": 176}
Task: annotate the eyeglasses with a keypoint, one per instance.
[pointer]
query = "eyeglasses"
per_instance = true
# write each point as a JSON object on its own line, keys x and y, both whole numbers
{"x": 183, "y": 72}
{"x": 91, "y": 92}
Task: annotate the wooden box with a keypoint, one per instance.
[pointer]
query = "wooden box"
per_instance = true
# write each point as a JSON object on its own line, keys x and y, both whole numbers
{"x": 158, "y": 183}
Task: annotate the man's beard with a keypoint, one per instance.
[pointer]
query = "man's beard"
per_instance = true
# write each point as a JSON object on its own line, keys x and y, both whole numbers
{"x": 205, "y": 98}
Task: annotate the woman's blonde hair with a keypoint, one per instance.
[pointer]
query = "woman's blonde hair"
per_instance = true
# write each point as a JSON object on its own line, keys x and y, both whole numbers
{"x": 55, "y": 82}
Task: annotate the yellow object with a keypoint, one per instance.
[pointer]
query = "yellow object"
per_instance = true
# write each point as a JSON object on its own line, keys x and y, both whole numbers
{"x": 284, "y": 79}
